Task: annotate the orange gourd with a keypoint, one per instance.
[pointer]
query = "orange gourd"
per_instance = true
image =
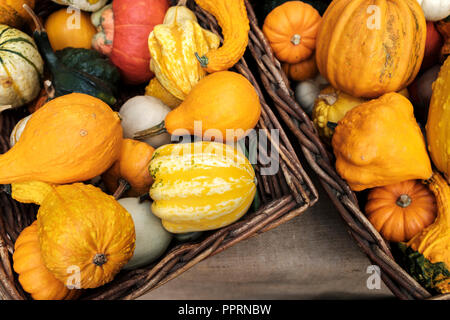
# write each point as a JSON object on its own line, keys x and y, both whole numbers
{"x": 306, "y": 69}
{"x": 233, "y": 20}
{"x": 34, "y": 277}
{"x": 223, "y": 106}
{"x": 85, "y": 235}
{"x": 400, "y": 211}
{"x": 379, "y": 142}
{"x": 291, "y": 29}
{"x": 12, "y": 12}
{"x": 72, "y": 138}
{"x": 70, "y": 28}
{"x": 132, "y": 166}
{"x": 367, "y": 50}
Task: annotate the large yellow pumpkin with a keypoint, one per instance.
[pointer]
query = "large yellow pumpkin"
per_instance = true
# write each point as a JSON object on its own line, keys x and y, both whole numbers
{"x": 200, "y": 186}
{"x": 368, "y": 48}
{"x": 438, "y": 125}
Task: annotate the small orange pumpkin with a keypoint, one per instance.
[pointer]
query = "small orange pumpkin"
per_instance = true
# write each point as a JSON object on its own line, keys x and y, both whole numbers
{"x": 34, "y": 277}
{"x": 67, "y": 28}
{"x": 291, "y": 29}
{"x": 301, "y": 71}
{"x": 132, "y": 166}
{"x": 400, "y": 211}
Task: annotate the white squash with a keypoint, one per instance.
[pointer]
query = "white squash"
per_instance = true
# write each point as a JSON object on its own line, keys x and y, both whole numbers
{"x": 85, "y": 5}
{"x": 21, "y": 67}
{"x": 17, "y": 131}
{"x": 152, "y": 240}
{"x": 307, "y": 91}
{"x": 435, "y": 10}
{"x": 141, "y": 113}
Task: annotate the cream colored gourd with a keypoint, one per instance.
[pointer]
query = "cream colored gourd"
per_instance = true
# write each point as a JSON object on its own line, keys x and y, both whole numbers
{"x": 307, "y": 91}
{"x": 17, "y": 131}
{"x": 200, "y": 186}
{"x": 435, "y": 10}
{"x": 21, "y": 67}
{"x": 85, "y": 5}
{"x": 152, "y": 239}
{"x": 143, "y": 112}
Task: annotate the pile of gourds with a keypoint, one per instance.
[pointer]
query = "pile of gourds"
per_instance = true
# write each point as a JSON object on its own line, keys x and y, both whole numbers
{"x": 112, "y": 189}
{"x": 354, "y": 66}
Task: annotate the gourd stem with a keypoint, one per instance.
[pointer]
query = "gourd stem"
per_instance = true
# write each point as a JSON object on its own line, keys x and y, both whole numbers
{"x": 49, "y": 89}
{"x": 39, "y": 26}
{"x": 332, "y": 125}
{"x": 329, "y": 98}
{"x": 153, "y": 131}
{"x": 123, "y": 187}
{"x": 100, "y": 259}
{"x": 404, "y": 201}
{"x": 296, "y": 39}
{"x": 203, "y": 60}
{"x": 144, "y": 197}
{"x": 181, "y": 3}
{"x": 42, "y": 41}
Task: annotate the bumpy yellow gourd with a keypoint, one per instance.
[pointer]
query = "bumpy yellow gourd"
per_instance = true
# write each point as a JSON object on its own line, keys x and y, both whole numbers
{"x": 80, "y": 229}
{"x": 232, "y": 17}
{"x": 331, "y": 106}
{"x": 155, "y": 89}
{"x": 379, "y": 143}
{"x": 173, "y": 46}
{"x": 438, "y": 125}
{"x": 200, "y": 186}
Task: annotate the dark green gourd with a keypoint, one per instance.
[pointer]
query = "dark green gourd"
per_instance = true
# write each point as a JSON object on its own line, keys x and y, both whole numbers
{"x": 66, "y": 79}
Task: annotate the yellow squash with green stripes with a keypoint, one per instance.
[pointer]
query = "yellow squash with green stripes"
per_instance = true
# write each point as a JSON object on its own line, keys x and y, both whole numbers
{"x": 200, "y": 186}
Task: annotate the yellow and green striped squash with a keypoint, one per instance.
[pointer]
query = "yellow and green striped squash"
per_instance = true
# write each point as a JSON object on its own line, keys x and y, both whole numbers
{"x": 200, "y": 186}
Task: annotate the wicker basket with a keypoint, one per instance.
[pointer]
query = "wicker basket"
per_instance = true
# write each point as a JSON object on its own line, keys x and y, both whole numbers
{"x": 283, "y": 196}
{"x": 321, "y": 161}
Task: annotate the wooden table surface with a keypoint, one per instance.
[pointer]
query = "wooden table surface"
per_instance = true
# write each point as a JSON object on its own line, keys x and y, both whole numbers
{"x": 309, "y": 257}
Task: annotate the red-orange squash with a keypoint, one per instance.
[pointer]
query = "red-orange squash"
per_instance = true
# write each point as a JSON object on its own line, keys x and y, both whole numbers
{"x": 291, "y": 29}
{"x": 367, "y": 50}
{"x": 133, "y": 22}
{"x": 402, "y": 210}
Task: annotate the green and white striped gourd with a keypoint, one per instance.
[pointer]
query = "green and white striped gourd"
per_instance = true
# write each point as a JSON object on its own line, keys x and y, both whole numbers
{"x": 21, "y": 67}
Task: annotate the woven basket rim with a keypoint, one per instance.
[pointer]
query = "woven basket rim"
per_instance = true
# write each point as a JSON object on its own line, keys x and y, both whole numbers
{"x": 293, "y": 189}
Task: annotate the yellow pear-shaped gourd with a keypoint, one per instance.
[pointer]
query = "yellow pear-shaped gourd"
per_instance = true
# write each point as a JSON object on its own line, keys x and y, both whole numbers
{"x": 85, "y": 235}
{"x": 379, "y": 142}
{"x": 438, "y": 124}
{"x": 72, "y": 138}
{"x": 173, "y": 46}
{"x": 200, "y": 186}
